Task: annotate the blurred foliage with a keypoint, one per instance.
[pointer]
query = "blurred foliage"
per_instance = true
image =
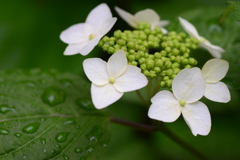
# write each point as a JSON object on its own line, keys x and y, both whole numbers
{"x": 29, "y": 38}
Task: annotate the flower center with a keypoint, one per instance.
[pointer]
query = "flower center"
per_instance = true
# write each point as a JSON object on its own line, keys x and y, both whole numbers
{"x": 202, "y": 39}
{"x": 111, "y": 80}
{"x": 182, "y": 103}
{"x": 91, "y": 36}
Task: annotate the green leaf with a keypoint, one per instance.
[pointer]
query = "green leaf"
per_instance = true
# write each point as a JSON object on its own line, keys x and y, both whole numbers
{"x": 48, "y": 115}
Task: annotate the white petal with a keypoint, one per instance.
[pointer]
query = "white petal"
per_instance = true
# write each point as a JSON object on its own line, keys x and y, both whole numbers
{"x": 164, "y": 31}
{"x": 74, "y": 48}
{"x": 126, "y": 16}
{"x": 86, "y": 49}
{"x": 147, "y": 15}
{"x": 214, "y": 70}
{"x": 197, "y": 117}
{"x": 105, "y": 26}
{"x": 75, "y": 34}
{"x": 217, "y": 92}
{"x": 117, "y": 64}
{"x": 189, "y": 85}
{"x": 99, "y": 14}
{"x": 165, "y": 107}
{"x": 189, "y": 28}
{"x": 96, "y": 70}
{"x": 213, "y": 49}
{"x": 163, "y": 23}
{"x": 103, "y": 96}
{"x": 131, "y": 80}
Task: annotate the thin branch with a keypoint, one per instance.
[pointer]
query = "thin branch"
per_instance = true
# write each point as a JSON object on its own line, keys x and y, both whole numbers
{"x": 163, "y": 129}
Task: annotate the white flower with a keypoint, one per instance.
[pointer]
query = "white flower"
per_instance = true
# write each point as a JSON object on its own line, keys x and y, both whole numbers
{"x": 111, "y": 79}
{"x": 188, "y": 87}
{"x": 148, "y": 15}
{"x": 191, "y": 30}
{"x": 83, "y": 37}
{"x": 213, "y": 71}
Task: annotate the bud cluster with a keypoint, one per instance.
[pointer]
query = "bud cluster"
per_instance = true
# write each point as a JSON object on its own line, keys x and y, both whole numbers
{"x": 155, "y": 53}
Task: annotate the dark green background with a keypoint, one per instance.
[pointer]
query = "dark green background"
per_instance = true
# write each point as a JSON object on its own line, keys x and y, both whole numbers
{"x": 29, "y": 38}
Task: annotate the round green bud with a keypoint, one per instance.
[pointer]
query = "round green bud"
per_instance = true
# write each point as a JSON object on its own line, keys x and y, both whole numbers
{"x": 183, "y": 35}
{"x": 134, "y": 63}
{"x": 131, "y": 44}
{"x": 152, "y": 74}
{"x": 157, "y": 55}
{"x": 111, "y": 50}
{"x": 143, "y": 67}
{"x": 131, "y": 57}
{"x": 150, "y": 63}
{"x": 165, "y": 78}
{"x": 183, "y": 49}
{"x": 163, "y": 53}
{"x": 169, "y": 72}
{"x": 121, "y": 42}
{"x": 168, "y": 49}
{"x": 188, "y": 66}
{"x": 175, "y": 51}
{"x": 142, "y": 60}
{"x": 168, "y": 64}
{"x": 158, "y": 63}
{"x": 157, "y": 69}
{"x": 162, "y": 84}
{"x": 185, "y": 61}
{"x": 175, "y": 65}
{"x": 117, "y": 34}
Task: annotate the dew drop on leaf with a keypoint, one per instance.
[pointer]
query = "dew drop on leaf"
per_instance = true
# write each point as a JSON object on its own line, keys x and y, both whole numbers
{"x": 4, "y": 109}
{"x": 61, "y": 137}
{"x": 53, "y": 96}
{"x": 65, "y": 157}
{"x": 70, "y": 121}
{"x": 90, "y": 149}
{"x": 78, "y": 150}
{"x": 66, "y": 82}
{"x": 85, "y": 104}
{"x": 18, "y": 135}
{"x": 4, "y": 131}
{"x": 31, "y": 128}
{"x": 95, "y": 134}
{"x": 43, "y": 140}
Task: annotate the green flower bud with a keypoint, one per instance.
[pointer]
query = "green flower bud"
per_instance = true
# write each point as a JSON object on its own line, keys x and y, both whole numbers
{"x": 121, "y": 42}
{"x": 117, "y": 34}
{"x": 158, "y": 62}
{"x": 143, "y": 67}
{"x": 175, "y": 51}
{"x": 162, "y": 84}
{"x": 150, "y": 63}
{"x": 157, "y": 55}
{"x": 157, "y": 69}
{"x": 168, "y": 49}
{"x": 134, "y": 63}
{"x": 131, "y": 57}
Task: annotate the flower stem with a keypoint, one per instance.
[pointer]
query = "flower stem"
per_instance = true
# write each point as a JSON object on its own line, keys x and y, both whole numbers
{"x": 141, "y": 98}
{"x": 163, "y": 129}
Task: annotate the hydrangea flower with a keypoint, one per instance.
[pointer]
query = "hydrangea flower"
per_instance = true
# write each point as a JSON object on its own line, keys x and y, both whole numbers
{"x": 83, "y": 37}
{"x": 188, "y": 87}
{"x": 111, "y": 79}
{"x": 213, "y": 71}
{"x": 148, "y": 15}
{"x": 192, "y": 31}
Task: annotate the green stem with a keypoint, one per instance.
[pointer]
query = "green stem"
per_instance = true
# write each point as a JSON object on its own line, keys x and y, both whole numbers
{"x": 163, "y": 129}
{"x": 141, "y": 98}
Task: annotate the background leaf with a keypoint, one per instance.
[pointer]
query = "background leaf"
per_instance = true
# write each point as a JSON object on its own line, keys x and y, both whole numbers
{"x": 48, "y": 115}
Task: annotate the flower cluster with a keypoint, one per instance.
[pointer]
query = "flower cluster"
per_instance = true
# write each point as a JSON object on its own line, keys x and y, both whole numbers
{"x": 150, "y": 52}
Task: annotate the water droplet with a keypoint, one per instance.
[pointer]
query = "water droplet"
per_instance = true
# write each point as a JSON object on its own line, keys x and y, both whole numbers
{"x": 18, "y": 135}
{"x": 95, "y": 134}
{"x": 85, "y": 104}
{"x": 66, "y": 82}
{"x": 70, "y": 121}
{"x": 77, "y": 126}
{"x": 9, "y": 126}
{"x": 78, "y": 150}
{"x": 43, "y": 140}
{"x": 65, "y": 157}
{"x": 90, "y": 149}
{"x": 42, "y": 119}
{"x": 58, "y": 109}
{"x": 44, "y": 150}
{"x": 53, "y": 96}
{"x": 4, "y": 109}
{"x": 4, "y": 131}
{"x": 61, "y": 137}
{"x": 24, "y": 156}
{"x": 31, "y": 128}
